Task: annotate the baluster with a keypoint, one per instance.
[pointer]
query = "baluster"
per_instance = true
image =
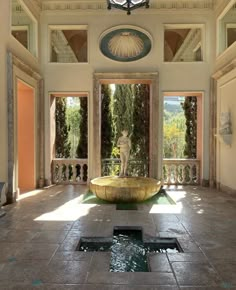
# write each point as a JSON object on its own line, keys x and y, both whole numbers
{"x": 197, "y": 173}
{"x": 171, "y": 174}
{"x": 67, "y": 172}
{"x": 168, "y": 174}
{"x": 79, "y": 172}
{"x": 54, "y": 166}
{"x": 74, "y": 172}
{"x": 82, "y": 173}
{"x": 179, "y": 173}
{"x": 184, "y": 173}
{"x": 175, "y": 174}
{"x": 191, "y": 173}
{"x": 163, "y": 173}
{"x": 60, "y": 172}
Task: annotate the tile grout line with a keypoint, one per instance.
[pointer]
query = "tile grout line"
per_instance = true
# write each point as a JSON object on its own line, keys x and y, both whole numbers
{"x": 203, "y": 253}
{"x": 172, "y": 269}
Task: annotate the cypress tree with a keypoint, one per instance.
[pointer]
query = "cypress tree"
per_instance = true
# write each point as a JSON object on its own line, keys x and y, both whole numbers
{"x": 140, "y": 137}
{"x": 62, "y": 144}
{"x": 82, "y": 148}
{"x": 123, "y": 109}
{"x": 107, "y": 132}
{"x": 190, "y": 112}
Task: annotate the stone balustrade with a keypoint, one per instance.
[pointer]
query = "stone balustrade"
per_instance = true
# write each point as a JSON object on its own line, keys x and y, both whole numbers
{"x": 111, "y": 167}
{"x": 69, "y": 171}
{"x": 175, "y": 171}
{"x": 181, "y": 171}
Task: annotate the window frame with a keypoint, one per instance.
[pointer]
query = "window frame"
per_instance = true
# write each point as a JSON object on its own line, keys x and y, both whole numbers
{"x": 66, "y": 27}
{"x": 200, "y": 26}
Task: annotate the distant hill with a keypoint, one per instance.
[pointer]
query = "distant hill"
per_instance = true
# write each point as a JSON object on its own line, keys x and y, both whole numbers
{"x": 173, "y": 107}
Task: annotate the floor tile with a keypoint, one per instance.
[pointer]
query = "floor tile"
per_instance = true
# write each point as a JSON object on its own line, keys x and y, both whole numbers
{"x": 201, "y": 274}
{"x": 39, "y": 236}
{"x": 159, "y": 263}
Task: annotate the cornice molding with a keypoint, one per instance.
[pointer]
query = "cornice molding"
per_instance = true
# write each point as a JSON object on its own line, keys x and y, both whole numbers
{"x": 50, "y": 5}
{"x": 224, "y": 70}
{"x": 35, "y": 6}
{"x": 24, "y": 67}
{"x": 219, "y": 6}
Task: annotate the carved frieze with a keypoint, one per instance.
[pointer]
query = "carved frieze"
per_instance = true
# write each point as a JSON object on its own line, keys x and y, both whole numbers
{"x": 102, "y": 5}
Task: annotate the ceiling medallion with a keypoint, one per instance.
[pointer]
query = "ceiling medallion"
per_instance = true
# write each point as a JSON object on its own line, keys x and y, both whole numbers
{"x": 127, "y": 5}
{"x": 125, "y": 44}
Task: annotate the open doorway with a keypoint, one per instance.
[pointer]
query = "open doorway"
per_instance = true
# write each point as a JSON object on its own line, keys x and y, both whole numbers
{"x": 125, "y": 106}
{"x": 25, "y": 137}
{"x": 182, "y": 138}
{"x": 151, "y": 80}
{"x": 69, "y": 138}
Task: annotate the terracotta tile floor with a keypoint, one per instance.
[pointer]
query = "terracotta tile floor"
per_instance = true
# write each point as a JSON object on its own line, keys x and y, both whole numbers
{"x": 39, "y": 234}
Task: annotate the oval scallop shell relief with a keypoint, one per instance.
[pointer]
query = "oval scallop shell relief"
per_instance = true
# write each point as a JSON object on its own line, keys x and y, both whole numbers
{"x": 126, "y": 44}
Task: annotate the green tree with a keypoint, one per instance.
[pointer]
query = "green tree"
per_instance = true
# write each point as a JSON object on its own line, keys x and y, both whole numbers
{"x": 107, "y": 123}
{"x": 62, "y": 144}
{"x": 122, "y": 109}
{"x": 82, "y": 148}
{"x": 190, "y": 112}
{"x": 140, "y": 136}
{"x": 173, "y": 140}
{"x": 73, "y": 122}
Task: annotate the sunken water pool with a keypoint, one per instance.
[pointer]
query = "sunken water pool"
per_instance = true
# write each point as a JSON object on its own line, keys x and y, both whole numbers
{"x": 129, "y": 253}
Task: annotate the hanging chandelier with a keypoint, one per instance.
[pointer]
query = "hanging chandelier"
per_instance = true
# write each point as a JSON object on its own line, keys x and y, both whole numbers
{"x": 127, "y": 5}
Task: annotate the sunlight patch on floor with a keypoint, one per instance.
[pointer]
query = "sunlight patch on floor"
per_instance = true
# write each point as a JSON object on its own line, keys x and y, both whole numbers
{"x": 177, "y": 195}
{"x": 70, "y": 211}
{"x": 167, "y": 208}
{"x": 29, "y": 194}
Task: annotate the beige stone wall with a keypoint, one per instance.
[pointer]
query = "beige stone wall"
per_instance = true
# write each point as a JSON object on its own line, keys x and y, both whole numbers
{"x": 79, "y": 77}
{"x": 4, "y": 16}
{"x": 8, "y": 44}
{"x": 226, "y": 154}
{"x": 172, "y": 76}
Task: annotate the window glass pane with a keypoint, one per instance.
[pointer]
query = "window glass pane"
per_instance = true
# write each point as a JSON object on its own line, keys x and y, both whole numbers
{"x": 227, "y": 29}
{"x": 68, "y": 46}
{"x": 231, "y": 34}
{"x": 21, "y": 34}
{"x": 23, "y": 27}
{"x": 182, "y": 45}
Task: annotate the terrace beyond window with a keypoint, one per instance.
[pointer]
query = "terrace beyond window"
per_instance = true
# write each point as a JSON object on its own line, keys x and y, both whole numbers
{"x": 68, "y": 44}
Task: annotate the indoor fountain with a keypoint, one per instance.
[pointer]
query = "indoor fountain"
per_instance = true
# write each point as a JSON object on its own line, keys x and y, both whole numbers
{"x": 124, "y": 188}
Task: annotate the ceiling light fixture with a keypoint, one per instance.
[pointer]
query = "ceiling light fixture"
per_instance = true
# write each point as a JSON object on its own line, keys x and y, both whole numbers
{"x": 127, "y": 5}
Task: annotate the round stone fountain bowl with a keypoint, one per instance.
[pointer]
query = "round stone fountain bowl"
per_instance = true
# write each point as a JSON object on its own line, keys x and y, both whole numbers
{"x": 124, "y": 189}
